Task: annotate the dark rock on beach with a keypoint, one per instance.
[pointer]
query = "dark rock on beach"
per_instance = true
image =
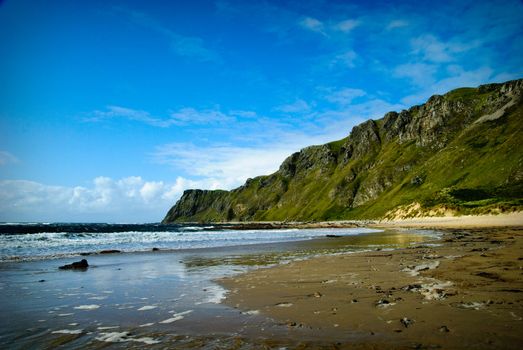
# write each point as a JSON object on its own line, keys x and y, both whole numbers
{"x": 78, "y": 265}
{"x": 110, "y": 251}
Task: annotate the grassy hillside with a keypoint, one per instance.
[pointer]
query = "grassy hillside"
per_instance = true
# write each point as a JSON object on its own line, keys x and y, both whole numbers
{"x": 461, "y": 152}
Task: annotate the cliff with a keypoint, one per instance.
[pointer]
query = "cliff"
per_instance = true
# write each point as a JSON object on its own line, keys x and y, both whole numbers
{"x": 460, "y": 152}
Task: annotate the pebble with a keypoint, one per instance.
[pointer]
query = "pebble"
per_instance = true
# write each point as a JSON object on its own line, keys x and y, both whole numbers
{"x": 406, "y": 322}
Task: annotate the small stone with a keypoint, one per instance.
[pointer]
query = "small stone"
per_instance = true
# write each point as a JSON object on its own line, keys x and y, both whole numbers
{"x": 406, "y": 322}
{"x": 382, "y": 302}
{"x": 444, "y": 329}
{"x": 354, "y": 301}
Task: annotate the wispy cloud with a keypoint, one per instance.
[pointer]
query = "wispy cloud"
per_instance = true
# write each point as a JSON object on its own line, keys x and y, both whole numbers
{"x": 223, "y": 166}
{"x": 7, "y": 158}
{"x": 431, "y": 49}
{"x": 193, "y": 116}
{"x": 347, "y": 25}
{"x": 344, "y": 96}
{"x": 420, "y": 74}
{"x": 183, "y": 116}
{"x": 397, "y": 23}
{"x": 345, "y": 59}
{"x": 313, "y": 25}
{"x": 182, "y": 45}
{"x": 298, "y": 106}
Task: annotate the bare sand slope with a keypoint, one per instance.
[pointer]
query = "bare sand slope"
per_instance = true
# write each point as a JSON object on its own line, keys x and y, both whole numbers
{"x": 465, "y": 293}
{"x": 501, "y": 220}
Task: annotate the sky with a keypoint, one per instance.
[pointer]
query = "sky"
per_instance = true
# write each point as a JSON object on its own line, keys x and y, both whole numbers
{"x": 109, "y": 110}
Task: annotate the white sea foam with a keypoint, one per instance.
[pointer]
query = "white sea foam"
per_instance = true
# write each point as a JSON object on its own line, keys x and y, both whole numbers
{"x": 414, "y": 270}
{"x": 67, "y": 331}
{"x": 435, "y": 290}
{"x": 176, "y": 317}
{"x": 284, "y": 304}
{"x": 215, "y": 294}
{"x": 146, "y": 324}
{"x": 87, "y": 307}
{"x": 107, "y": 327}
{"x": 122, "y": 337}
{"x": 63, "y": 315}
{"x": 251, "y": 312}
{"x": 147, "y": 307}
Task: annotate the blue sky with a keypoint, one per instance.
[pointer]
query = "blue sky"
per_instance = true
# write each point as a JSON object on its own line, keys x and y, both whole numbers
{"x": 110, "y": 109}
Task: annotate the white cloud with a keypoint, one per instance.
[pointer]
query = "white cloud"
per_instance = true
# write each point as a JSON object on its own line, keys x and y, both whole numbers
{"x": 347, "y": 59}
{"x": 127, "y": 113}
{"x": 7, "y": 158}
{"x": 243, "y": 114}
{"x": 313, "y": 24}
{"x": 105, "y": 199}
{"x": 186, "y": 116}
{"x": 224, "y": 167}
{"x": 432, "y": 49}
{"x": 398, "y": 23}
{"x": 183, "y": 116}
{"x": 347, "y": 25}
{"x": 150, "y": 190}
{"x": 298, "y": 106}
{"x": 344, "y": 96}
{"x": 420, "y": 74}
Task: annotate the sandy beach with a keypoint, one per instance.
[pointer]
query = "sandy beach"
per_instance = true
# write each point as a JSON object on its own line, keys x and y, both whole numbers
{"x": 461, "y": 291}
{"x": 424, "y": 286}
{"x": 160, "y": 298}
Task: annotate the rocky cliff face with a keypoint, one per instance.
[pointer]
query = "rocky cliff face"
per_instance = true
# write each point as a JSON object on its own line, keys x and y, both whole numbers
{"x": 463, "y": 150}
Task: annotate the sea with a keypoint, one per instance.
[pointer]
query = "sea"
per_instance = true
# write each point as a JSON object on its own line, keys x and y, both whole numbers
{"x": 35, "y": 241}
{"x": 160, "y": 288}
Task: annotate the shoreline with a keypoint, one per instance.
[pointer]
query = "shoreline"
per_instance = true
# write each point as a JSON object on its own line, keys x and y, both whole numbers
{"x": 461, "y": 291}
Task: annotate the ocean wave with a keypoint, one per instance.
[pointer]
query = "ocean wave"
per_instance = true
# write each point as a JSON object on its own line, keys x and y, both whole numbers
{"x": 49, "y": 245}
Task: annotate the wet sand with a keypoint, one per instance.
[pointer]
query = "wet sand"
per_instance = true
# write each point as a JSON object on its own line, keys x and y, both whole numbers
{"x": 465, "y": 291}
{"x": 161, "y": 299}
{"x": 459, "y": 289}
